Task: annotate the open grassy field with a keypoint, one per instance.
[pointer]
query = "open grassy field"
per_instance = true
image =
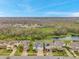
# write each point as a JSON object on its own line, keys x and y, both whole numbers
{"x": 38, "y": 28}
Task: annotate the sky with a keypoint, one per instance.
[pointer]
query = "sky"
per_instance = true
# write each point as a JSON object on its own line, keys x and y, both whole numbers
{"x": 39, "y": 8}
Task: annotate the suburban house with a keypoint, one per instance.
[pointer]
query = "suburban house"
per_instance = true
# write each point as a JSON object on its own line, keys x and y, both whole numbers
{"x": 58, "y": 44}
{"x": 38, "y": 45}
{"x": 12, "y": 44}
{"x": 48, "y": 46}
{"x": 25, "y": 44}
{"x": 2, "y": 46}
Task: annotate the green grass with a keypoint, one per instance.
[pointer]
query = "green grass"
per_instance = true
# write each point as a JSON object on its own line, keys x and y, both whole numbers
{"x": 31, "y": 53}
{"x": 47, "y": 29}
{"x": 4, "y": 52}
{"x": 57, "y": 52}
{"x": 19, "y": 51}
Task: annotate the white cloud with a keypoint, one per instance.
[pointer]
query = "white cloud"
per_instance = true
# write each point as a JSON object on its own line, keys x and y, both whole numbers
{"x": 62, "y": 14}
{"x": 76, "y": 14}
{"x": 2, "y": 14}
{"x": 51, "y": 12}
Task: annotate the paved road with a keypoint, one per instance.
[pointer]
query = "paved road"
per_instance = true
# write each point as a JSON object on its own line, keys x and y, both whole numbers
{"x": 38, "y": 57}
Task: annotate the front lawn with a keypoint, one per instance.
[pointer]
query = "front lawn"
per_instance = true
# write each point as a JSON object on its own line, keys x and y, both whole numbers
{"x": 30, "y": 51}
{"x": 19, "y": 50}
{"x": 5, "y": 52}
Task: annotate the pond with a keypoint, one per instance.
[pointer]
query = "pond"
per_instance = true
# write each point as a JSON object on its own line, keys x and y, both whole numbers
{"x": 68, "y": 38}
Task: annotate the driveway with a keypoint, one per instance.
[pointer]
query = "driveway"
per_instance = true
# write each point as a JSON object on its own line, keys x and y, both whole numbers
{"x": 24, "y": 53}
{"x": 40, "y": 53}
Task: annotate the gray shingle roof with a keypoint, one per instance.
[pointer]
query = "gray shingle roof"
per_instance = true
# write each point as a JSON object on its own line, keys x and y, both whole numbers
{"x": 74, "y": 46}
